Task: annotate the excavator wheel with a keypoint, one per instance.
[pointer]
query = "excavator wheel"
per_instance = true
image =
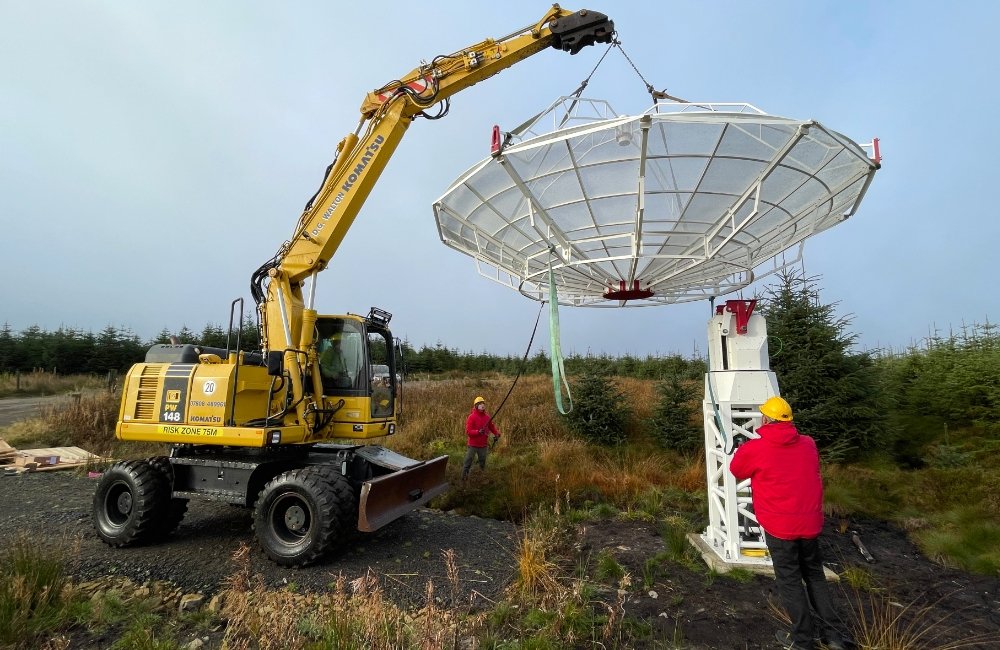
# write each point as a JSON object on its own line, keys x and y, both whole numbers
{"x": 129, "y": 503}
{"x": 176, "y": 508}
{"x": 303, "y": 513}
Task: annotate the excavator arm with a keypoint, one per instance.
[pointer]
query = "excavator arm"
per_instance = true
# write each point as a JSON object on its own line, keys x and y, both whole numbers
{"x": 387, "y": 112}
{"x": 287, "y": 322}
{"x": 254, "y": 429}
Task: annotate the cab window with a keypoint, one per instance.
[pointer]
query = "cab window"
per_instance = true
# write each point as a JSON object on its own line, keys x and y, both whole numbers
{"x": 340, "y": 346}
{"x": 383, "y": 385}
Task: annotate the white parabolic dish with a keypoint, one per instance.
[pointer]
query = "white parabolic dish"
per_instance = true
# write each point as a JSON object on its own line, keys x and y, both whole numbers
{"x": 683, "y": 202}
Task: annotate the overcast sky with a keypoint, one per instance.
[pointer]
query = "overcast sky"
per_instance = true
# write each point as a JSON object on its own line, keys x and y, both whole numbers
{"x": 153, "y": 154}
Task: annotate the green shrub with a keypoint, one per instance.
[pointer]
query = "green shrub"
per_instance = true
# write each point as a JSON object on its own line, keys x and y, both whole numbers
{"x": 673, "y": 421}
{"x": 608, "y": 568}
{"x": 600, "y": 411}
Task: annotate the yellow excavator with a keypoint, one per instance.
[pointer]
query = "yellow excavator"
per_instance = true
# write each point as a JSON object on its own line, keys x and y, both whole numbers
{"x": 257, "y": 428}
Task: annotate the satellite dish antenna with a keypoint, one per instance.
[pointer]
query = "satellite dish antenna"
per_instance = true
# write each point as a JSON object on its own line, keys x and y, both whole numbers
{"x": 684, "y": 202}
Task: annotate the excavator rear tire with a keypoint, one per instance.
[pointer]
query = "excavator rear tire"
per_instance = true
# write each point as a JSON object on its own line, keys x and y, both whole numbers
{"x": 175, "y": 508}
{"x": 301, "y": 514}
{"x": 129, "y": 503}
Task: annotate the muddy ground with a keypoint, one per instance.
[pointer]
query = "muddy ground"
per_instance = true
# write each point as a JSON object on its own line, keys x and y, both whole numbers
{"x": 708, "y": 611}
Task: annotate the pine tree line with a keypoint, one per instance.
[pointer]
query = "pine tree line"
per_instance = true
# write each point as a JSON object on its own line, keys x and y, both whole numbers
{"x": 440, "y": 359}
{"x": 853, "y": 402}
{"x": 70, "y": 351}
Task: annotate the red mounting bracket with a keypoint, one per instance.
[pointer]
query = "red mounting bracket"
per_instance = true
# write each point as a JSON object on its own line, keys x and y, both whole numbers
{"x": 633, "y": 293}
{"x": 496, "y": 144}
{"x": 742, "y": 308}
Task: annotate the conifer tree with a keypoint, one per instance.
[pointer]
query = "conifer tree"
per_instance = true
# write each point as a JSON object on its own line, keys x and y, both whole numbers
{"x": 10, "y": 353}
{"x": 600, "y": 412}
{"x": 834, "y": 391}
{"x": 673, "y": 422}
{"x": 213, "y": 336}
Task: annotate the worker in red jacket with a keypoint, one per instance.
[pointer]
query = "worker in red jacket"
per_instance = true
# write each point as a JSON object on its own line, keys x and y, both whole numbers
{"x": 787, "y": 490}
{"x": 478, "y": 428}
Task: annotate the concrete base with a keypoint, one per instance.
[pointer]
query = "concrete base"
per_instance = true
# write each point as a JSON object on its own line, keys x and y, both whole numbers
{"x": 760, "y": 566}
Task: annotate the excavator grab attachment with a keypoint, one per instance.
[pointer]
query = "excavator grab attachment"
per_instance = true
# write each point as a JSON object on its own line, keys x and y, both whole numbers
{"x": 574, "y": 32}
{"x": 409, "y": 486}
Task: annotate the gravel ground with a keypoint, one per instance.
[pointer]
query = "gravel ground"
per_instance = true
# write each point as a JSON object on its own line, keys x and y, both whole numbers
{"x": 406, "y": 553}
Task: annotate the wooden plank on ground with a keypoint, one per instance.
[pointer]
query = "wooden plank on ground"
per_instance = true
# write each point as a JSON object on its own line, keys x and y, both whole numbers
{"x": 51, "y": 458}
{"x": 7, "y": 453}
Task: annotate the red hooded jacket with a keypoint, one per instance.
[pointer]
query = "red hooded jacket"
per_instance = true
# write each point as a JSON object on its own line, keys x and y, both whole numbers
{"x": 476, "y": 421}
{"x": 785, "y": 481}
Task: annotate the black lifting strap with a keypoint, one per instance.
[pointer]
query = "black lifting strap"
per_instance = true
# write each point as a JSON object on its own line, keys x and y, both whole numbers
{"x": 583, "y": 84}
{"x": 655, "y": 94}
{"x": 520, "y": 368}
{"x": 575, "y": 94}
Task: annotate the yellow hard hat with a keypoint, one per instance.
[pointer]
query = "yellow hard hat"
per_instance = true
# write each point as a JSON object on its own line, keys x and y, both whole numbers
{"x": 777, "y": 409}
{"x": 478, "y": 400}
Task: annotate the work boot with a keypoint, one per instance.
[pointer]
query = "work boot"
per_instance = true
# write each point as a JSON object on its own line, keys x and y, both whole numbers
{"x": 834, "y": 642}
{"x": 784, "y": 637}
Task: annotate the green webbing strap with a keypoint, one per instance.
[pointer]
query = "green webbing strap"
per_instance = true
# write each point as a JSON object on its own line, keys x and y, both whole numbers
{"x": 558, "y": 368}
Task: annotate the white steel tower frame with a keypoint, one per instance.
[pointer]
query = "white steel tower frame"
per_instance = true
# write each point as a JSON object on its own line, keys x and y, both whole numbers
{"x": 738, "y": 381}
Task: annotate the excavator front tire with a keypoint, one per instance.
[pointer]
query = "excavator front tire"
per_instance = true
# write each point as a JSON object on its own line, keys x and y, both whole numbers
{"x": 129, "y": 503}
{"x": 301, "y": 514}
{"x": 175, "y": 508}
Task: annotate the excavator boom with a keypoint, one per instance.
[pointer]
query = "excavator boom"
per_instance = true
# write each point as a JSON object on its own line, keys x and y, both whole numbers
{"x": 255, "y": 428}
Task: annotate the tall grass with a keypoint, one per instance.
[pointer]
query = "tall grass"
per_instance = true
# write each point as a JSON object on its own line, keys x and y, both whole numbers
{"x": 352, "y": 615}
{"x": 40, "y": 382}
{"x": 537, "y": 458}
{"x": 549, "y": 606}
{"x": 86, "y": 420}
{"x": 35, "y": 598}
{"x": 881, "y": 622}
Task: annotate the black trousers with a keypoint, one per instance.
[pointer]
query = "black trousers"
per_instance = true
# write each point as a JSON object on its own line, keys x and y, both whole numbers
{"x": 798, "y": 571}
{"x": 474, "y": 453}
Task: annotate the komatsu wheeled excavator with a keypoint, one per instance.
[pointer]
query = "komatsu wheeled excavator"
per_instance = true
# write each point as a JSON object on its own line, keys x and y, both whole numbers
{"x": 258, "y": 428}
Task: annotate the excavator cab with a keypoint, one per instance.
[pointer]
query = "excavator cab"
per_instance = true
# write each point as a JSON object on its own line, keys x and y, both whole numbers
{"x": 353, "y": 353}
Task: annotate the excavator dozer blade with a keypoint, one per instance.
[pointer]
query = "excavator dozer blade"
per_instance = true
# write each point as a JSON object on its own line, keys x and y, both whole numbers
{"x": 389, "y": 497}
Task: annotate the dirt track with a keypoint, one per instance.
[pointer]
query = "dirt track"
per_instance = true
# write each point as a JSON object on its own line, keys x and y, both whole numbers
{"x": 13, "y": 409}
{"x": 709, "y": 613}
